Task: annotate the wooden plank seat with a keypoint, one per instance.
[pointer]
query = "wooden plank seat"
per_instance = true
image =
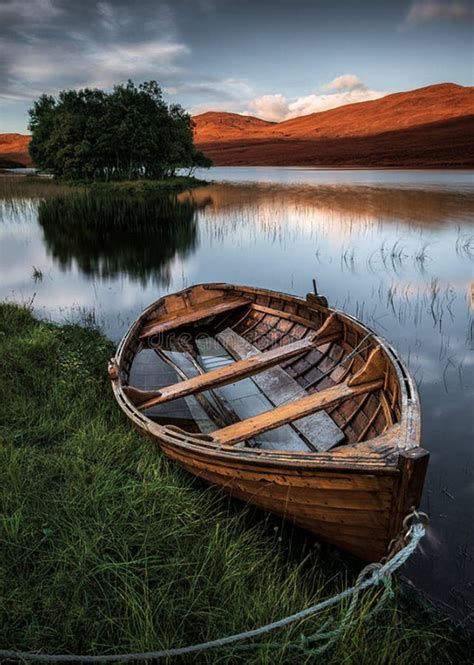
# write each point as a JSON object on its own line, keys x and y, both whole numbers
{"x": 245, "y": 399}
{"x": 224, "y": 375}
{"x": 318, "y": 429}
{"x": 192, "y": 315}
{"x": 287, "y": 413}
{"x": 329, "y": 331}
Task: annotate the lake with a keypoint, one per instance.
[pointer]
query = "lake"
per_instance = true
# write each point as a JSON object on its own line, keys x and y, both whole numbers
{"x": 394, "y": 248}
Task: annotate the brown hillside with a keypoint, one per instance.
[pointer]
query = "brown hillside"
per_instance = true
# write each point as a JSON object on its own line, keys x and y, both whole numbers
{"x": 448, "y": 144}
{"x": 430, "y": 126}
{"x": 213, "y": 126}
{"x": 14, "y": 150}
{"x": 397, "y": 111}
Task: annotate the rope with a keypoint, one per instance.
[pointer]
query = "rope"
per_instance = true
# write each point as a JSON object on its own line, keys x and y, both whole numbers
{"x": 371, "y": 575}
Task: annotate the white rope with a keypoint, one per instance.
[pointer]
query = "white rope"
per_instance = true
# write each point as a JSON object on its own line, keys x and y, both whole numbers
{"x": 378, "y": 573}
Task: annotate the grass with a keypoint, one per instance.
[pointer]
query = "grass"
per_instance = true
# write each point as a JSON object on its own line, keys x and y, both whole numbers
{"x": 176, "y": 183}
{"x": 107, "y": 547}
{"x": 14, "y": 187}
{"x": 36, "y": 187}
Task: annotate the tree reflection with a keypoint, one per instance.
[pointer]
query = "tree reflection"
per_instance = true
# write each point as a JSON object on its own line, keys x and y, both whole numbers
{"x": 110, "y": 235}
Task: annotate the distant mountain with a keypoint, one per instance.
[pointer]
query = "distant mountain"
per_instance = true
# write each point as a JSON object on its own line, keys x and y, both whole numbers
{"x": 214, "y": 125}
{"x": 432, "y": 126}
{"x": 14, "y": 150}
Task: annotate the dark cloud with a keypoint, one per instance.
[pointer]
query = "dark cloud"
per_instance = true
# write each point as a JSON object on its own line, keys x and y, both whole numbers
{"x": 48, "y": 44}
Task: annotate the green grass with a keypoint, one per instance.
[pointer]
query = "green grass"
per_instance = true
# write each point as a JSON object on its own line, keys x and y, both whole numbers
{"x": 15, "y": 186}
{"x": 176, "y": 183}
{"x": 107, "y": 547}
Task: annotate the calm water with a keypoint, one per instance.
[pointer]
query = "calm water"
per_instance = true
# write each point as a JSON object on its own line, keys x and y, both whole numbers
{"x": 395, "y": 248}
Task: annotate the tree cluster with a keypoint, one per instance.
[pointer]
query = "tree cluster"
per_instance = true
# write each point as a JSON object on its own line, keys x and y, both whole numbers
{"x": 128, "y": 133}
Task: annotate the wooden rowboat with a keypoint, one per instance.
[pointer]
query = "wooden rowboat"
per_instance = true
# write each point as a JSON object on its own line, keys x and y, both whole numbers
{"x": 282, "y": 402}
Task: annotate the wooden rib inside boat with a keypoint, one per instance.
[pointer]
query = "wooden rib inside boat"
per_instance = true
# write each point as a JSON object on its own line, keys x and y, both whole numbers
{"x": 282, "y": 402}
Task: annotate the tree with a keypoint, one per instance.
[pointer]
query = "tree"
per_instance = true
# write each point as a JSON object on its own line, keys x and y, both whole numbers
{"x": 199, "y": 161}
{"x": 128, "y": 133}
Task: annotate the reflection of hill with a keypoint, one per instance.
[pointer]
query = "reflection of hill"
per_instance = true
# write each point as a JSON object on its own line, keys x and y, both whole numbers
{"x": 352, "y": 203}
{"x": 107, "y": 236}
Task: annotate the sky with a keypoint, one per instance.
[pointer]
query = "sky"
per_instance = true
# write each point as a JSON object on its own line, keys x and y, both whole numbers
{"x": 275, "y": 59}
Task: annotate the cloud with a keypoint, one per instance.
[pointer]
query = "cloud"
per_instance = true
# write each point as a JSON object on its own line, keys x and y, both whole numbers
{"x": 427, "y": 11}
{"x": 345, "y": 83}
{"x": 50, "y": 45}
{"x": 317, "y": 103}
{"x": 227, "y": 89}
{"x": 46, "y": 48}
{"x": 269, "y": 107}
{"x": 20, "y": 10}
{"x": 49, "y": 69}
{"x": 345, "y": 89}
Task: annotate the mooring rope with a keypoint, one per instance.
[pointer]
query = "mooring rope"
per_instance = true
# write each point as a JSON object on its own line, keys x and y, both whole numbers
{"x": 371, "y": 575}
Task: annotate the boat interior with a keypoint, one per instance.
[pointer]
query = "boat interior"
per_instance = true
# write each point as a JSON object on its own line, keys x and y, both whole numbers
{"x": 252, "y": 368}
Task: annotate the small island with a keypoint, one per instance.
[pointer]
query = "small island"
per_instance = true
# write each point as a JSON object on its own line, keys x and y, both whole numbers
{"x": 128, "y": 139}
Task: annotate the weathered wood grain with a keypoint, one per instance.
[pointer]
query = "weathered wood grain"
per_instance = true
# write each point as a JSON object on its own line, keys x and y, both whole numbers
{"x": 228, "y": 374}
{"x": 289, "y": 412}
{"x": 318, "y": 429}
{"x": 192, "y": 315}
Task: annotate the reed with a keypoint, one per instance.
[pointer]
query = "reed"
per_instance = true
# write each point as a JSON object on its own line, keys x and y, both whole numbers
{"x": 107, "y": 547}
{"x": 32, "y": 187}
{"x": 39, "y": 187}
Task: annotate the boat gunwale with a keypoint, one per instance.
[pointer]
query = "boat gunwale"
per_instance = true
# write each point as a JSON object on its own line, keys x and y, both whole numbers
{"x": 362, "y": 456}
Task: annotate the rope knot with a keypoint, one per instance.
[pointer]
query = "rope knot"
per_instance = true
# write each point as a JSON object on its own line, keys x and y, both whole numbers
{"x": 372, "y": 570}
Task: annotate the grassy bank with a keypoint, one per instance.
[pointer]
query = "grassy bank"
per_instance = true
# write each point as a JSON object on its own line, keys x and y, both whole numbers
{"x": 175, "y": 184}
{"x": 17, "y": 186}
{"x": 106, "y": 547}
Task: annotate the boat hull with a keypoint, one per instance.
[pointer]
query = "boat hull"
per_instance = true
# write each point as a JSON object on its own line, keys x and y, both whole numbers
{"x": 351, "y": 508}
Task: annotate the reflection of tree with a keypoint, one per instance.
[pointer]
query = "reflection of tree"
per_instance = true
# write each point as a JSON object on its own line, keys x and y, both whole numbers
{"x": 109, "y": 235}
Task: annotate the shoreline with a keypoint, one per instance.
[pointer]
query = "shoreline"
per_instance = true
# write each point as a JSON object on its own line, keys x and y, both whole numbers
{"x": 48, "y": 184}
{"x": 89, "y": 489}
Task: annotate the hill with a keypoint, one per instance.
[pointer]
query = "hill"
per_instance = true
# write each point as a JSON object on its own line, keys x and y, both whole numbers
{"x": 431, "y": 126}
{"x": 215, "y": 125}
{"x": 14, "y": 150}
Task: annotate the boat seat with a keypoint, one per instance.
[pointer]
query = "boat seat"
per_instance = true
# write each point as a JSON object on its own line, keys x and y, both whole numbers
{"x": 246, "y": 399}
{"x": 189, "y": 316}
{"x": 232, "y": 435}
{"x": 279, "y": 387}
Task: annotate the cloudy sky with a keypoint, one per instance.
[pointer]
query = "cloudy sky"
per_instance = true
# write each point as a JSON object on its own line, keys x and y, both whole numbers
{"x": 275, "y": 59}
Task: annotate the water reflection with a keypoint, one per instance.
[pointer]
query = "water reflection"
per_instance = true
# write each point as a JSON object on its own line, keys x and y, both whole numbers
{"x": 415, "y": 205}
{"x": 111, "y": 236}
